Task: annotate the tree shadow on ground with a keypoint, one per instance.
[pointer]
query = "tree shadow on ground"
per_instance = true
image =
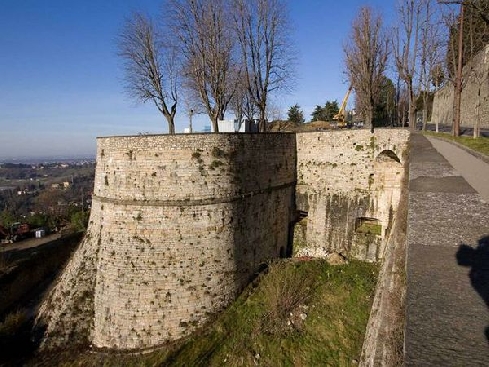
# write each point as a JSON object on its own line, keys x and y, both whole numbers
{"x": 478, "y": 260}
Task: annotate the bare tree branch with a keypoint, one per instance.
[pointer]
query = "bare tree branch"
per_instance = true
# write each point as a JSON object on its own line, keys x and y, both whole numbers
{"x": 150, "y": 68}
{"x": 430, "y": 51}
{"x": 208, "y": 47}
{"x": 366, "y": 54}
{"x": 407, "y": 50}
{"x": 267, "y": 57}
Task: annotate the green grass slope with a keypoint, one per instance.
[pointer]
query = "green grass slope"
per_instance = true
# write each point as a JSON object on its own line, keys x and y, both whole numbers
{"x": 300, "y": 313}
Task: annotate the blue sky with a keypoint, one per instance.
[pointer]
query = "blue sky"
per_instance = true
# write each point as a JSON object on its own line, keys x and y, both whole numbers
{"x": 61, "y": 78}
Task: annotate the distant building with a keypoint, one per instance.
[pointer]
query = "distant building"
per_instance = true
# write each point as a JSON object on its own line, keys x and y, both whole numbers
{"x": 40, "y": 233}
{"x": 235, "y": 126}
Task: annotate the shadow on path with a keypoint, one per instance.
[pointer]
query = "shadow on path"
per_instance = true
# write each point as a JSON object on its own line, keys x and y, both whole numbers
{"x": 478, "y": 260}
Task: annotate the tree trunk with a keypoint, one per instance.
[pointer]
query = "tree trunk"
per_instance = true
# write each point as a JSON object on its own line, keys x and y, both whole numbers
{"x": 262, "y": 127}
{"x": 171, "y": 124}
{"x": 215, "y": 125}
{"x": 412, "y": 109}
{"x": 457, "y": 98}
{"x": 369, "y": 118}
{"x": 170, "y": 117}
{"x": 171, "y": 127}
{"x": 477, "y": 129}
{"x": 425, "y": 113}
{"x": 412, "y": 117}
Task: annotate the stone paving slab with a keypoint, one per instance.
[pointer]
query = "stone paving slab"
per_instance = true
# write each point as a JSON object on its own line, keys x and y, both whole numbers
{"x": 446, "y": 317}
{"x": 476, "y": 173}
{"x": 446, "y": 219}
{"x": 455, "y": 184}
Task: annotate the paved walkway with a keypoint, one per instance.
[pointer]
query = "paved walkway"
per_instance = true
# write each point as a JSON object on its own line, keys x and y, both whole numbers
{"x": 447, "y": 317}
{"x": 474, "y": 171}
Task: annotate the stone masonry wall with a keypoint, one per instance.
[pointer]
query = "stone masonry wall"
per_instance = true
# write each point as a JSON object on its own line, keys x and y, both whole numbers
{"x": 344, "y": 177}
{"x": 67, "y": 313}
{"x": 179, "y": 224}
{"x": 184, "y": 222}
{"x": 475, "y": 95}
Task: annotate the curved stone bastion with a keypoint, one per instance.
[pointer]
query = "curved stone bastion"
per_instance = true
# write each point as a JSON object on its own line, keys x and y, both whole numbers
{"x": 179, "y": 224}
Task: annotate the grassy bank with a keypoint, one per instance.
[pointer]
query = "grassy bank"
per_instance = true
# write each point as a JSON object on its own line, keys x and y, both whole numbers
{"x": 301, "y": 313}
{"x": 480, "y": 145}
{"x": 24, "y": 277}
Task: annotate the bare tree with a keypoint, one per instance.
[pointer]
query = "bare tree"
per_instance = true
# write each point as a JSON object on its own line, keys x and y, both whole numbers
{"x": 242, "y": 105}
{"x": 407, "y": 49}
{"x": 481, "y": 6}
{"x": 430, "y": 52}
{"x": 208, "y": 48}
{"x": 366, "y": 54}
{"x": 402, "y": 105}
{"x": 456, "y": 52}
{"x": 274, "y": 112}
{"x": 469, "y": 33}
{"x": 150, "y": 66}
{"x": 267, "y": 57}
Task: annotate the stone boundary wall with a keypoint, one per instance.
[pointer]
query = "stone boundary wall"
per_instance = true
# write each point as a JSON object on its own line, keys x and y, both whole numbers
{"x": 475, "y": 95}
{"x": 344, "y": 176}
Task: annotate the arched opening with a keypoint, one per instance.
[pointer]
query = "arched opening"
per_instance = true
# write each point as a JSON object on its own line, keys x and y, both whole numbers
{"x": 387, "y": 155}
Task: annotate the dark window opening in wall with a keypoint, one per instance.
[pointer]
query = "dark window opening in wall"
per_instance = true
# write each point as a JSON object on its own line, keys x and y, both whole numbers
{"x": 301, "y": 215}
{"x": 368, "y": 225}
{"x": 370, "y": 179}
{"x": 387, "y": 155}
{"x": 290, "y": 242}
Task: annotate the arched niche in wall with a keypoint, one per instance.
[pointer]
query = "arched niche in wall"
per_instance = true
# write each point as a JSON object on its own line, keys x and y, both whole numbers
{"x": 387, "y": 170}
{"x": 389, "y": 173}
{"x": 387, "y": 155}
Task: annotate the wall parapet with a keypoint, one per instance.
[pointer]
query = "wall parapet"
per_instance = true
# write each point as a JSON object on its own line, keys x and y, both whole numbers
{"x": 212, "y": 165}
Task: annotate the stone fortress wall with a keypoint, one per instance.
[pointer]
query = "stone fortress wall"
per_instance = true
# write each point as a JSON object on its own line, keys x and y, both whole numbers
{"x": 475, "y": 95}
{"x": 349, "y": 185}
{"x": 180, "y": 224}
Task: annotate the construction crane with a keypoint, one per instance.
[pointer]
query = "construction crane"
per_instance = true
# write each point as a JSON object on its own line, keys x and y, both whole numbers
{"x": 341, "y": 115}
